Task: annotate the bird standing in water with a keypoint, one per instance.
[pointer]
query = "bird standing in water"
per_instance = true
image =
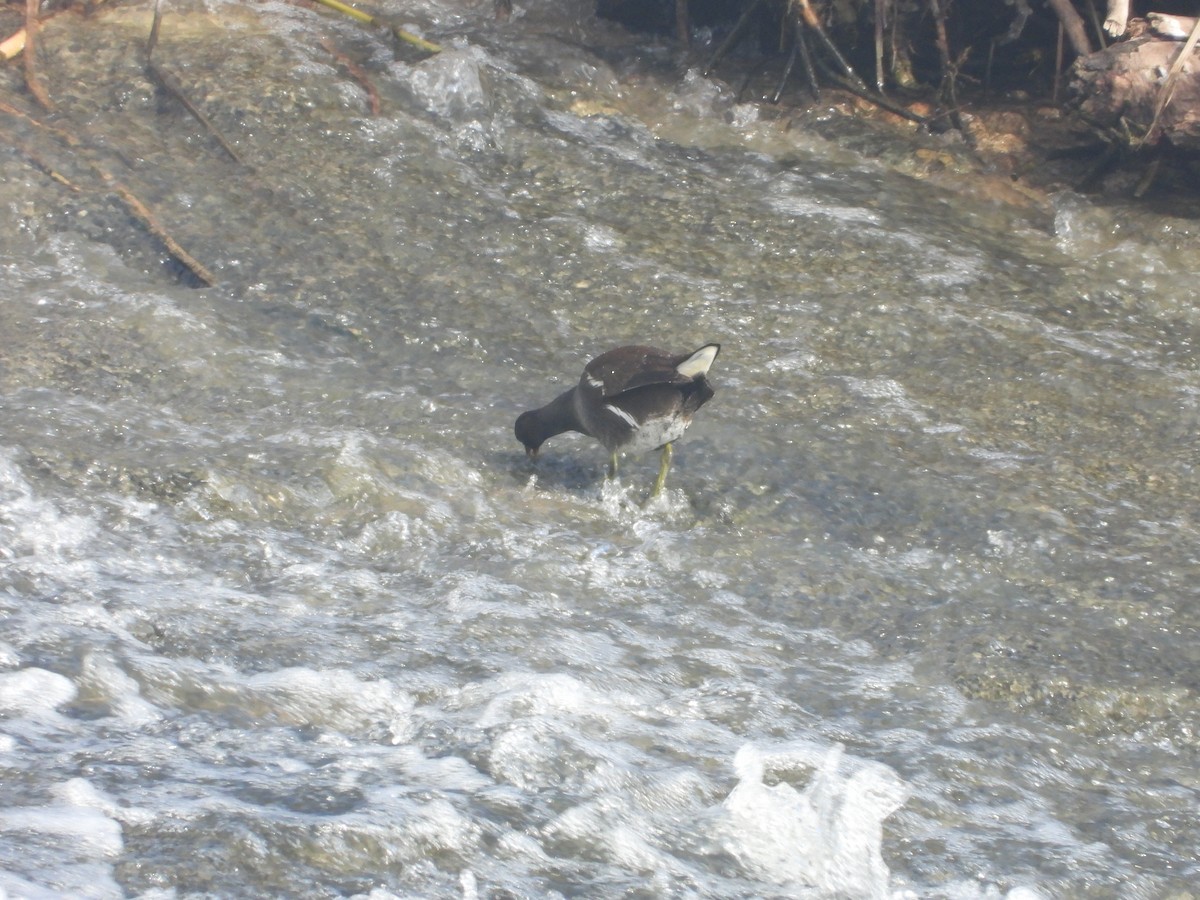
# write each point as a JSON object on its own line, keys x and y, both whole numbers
{"x": 630, "y": 399}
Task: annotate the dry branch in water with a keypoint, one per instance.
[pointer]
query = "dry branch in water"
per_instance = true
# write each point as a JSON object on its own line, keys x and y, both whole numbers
{"x": 142, "y": 213}
{"x": 171, "y": 85}
{"x": 356, "y": 72}
{"x": 380, "y": 21}
{"x": 39, "y": 163}
{"x": 32, "y": 81}
{"x": 132, "y": 203}
{"x": 129, "y": 200}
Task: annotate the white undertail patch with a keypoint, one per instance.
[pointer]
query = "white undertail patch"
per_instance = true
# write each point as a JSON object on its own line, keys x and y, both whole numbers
{"x": 654, "y": 433}
{"x": 699, "y": 362}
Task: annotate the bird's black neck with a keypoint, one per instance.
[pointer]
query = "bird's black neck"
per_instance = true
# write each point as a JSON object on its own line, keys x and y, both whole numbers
{"x": 560, "y": 415}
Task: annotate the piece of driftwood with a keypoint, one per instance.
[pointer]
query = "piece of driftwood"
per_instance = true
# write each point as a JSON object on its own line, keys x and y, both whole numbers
{"x": 1119, "y": 92}
{"x": 1166, "y": 93}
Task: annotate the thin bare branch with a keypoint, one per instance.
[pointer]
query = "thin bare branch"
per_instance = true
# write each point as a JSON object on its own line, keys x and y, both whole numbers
{"x": 32, "y": 81}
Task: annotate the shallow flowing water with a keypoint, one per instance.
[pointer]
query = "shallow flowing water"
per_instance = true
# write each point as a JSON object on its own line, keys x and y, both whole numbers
{"x": 286, "y": 611}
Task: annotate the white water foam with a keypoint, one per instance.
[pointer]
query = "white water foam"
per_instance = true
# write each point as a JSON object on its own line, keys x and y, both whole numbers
{"x": 33, "y": 527}
{"x": 34, "y": 691}
{"x": 826, "y": 837}
{"x": 84, "y": 839}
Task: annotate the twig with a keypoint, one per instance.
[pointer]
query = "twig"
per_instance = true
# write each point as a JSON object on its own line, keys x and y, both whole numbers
{"x": 356, "y": 72}
{"x": 880, "y": 12}
{"x": 1151, "y": 173}
{"x": 65, "y": 136}
{"x": 367, "y": 19}
{"x": 799, "y": 48}
{"x": 40, "y": 163}
{"x": 847, "y": 77}
{"x": 734, "y": 34}
{"x": 136, "y": 207}
{"x": 810, "y": 73}
{"x": 1058, "y": 65}
{"x": 949, "y": 90}
{"x": 152, "y": 41}
{"x": 882, "y": 102}
{"x": 1073, "y": 23}
{"x": 171, "y": 85}
{"x": 787, "y": 73}
{"x": 1095, "y": 17}
{"x": 683, "y": 27}
{"x": 140, "y": 212}
{"x": 32, "y": 82}
{"x": 811, "y": 20}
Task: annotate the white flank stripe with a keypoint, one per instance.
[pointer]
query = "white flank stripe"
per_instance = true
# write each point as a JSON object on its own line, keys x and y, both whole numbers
{"x": 620, "y": 413}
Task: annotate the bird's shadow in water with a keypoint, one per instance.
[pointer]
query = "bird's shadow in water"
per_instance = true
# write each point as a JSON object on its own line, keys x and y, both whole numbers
{"x": 557, "y": 471}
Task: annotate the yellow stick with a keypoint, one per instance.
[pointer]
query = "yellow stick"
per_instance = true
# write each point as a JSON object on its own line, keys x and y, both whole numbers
{"x": 366, "y": 19}
{"x": 349, "y": 10}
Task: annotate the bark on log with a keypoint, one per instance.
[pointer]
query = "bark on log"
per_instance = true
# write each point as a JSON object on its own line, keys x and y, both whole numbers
{"x": 1117, "y": 90}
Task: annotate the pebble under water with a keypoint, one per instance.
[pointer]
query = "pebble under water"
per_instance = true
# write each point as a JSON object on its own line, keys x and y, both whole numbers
{"x": 287, "y": 611}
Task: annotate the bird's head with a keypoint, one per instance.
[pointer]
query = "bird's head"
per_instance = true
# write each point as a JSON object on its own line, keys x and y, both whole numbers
{"x": 529, "y": 432}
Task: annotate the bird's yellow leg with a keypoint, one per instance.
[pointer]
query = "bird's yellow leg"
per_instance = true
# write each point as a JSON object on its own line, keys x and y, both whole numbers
{"x": 663, "y": 466}
{"x": 612, "y": 465}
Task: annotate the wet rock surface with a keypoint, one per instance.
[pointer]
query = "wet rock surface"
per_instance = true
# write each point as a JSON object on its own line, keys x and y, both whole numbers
{"x": 260, "y": 91}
